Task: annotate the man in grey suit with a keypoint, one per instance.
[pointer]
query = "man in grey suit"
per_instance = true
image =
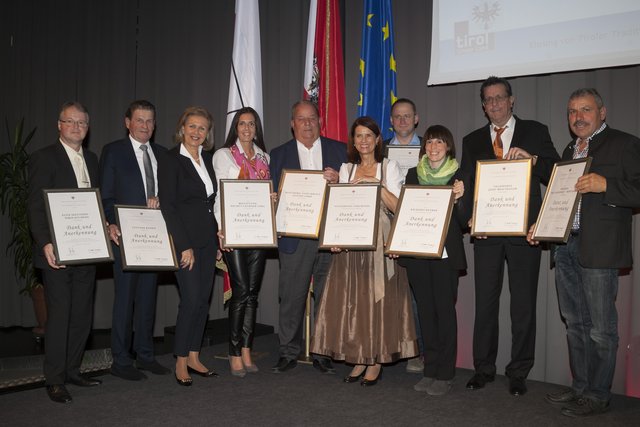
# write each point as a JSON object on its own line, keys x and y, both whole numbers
{"x": 586, "y": 268}
{"x": 300, "y": 260}
{"x": 68, "y": 289}
{"x": 128, "y": 176}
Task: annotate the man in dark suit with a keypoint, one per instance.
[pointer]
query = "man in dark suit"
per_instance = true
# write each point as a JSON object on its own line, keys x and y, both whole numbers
{"x": 128, "y": 169}
{"x": 506, "y": 137}
{"x": 586, "y": 268}
{"x": 300, "y": 260}
{"x": 69, "y": 290}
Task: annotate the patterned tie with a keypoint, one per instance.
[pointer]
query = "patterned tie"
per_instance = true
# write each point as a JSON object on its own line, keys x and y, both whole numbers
{"x": 497, "y": 143}
{"x": 148, "y": 171}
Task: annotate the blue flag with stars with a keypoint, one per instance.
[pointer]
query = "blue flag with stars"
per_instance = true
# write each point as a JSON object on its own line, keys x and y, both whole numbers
{"x": 377, "y": 65}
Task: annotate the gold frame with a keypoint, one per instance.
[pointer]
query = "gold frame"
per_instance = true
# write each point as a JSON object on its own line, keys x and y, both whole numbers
{"x": 283, "y": 177}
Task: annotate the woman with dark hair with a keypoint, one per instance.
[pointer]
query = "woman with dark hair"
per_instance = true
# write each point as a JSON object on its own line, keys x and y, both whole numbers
{"x": 435, "y": 281}
{"x": 243, "y": 156}
{"x": 187, "y": 188}
{"x": 364, "y": 316}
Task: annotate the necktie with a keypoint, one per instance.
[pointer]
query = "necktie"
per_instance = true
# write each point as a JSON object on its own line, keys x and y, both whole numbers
{"x": 82, "y": 174}
{"x": 497, "y": 143}
{"x": 148, "y": 171}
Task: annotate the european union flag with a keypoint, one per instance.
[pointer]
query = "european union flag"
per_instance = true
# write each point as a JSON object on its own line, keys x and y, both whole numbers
{"x": 377, "y": 65}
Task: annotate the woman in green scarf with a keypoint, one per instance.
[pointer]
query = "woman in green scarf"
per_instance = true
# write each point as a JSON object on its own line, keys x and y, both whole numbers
{"x": 435, "y": 281}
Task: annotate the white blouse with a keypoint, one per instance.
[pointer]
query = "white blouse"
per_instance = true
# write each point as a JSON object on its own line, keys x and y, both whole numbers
{"x": 394, "y": 178}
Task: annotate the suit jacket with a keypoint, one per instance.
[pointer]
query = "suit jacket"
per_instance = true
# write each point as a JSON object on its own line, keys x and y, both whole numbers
{"x": 459, "y": 219}
{"x": 605, "y": 218}
{"x": 50, "y": 168}
{"x": 334, "y": 154}
{"x": 529, "y": 135}
{"x": 120, "y": 177}
{"x": 185, "y": 206}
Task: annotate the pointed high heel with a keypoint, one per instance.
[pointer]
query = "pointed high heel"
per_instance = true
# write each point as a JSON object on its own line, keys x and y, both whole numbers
{"x": 368, "y": 383}
{"x": 202, "y": 374}
{"x": 240, "y": 373}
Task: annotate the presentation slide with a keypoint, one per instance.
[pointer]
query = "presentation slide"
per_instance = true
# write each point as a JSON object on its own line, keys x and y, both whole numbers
{"x": 472, "y": 40}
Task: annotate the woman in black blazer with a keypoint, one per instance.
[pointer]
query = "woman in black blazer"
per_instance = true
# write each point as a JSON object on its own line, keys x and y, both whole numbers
{"x": 187, "y": 190}
{"x": 435, "y": 281}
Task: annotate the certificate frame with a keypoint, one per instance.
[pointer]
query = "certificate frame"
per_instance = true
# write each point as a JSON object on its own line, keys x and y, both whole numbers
{"x": 250, "y": 206}
{"x": 139, "y": 224}
{"x": 402, "y": 154}
{"x": 340, "y": 202}
{"x": 501, "y": 198}
{"x": 65, "y": 212}
{"x": 421, "y": 200}
{"x": 292, "y": 196}
{"x": 562, "y": 197}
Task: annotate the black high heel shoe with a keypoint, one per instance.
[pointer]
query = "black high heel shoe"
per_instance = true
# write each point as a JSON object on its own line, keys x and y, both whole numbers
{"x": 353, "y": 379}
{"x": 368, "y": 383}
{"x": 202, "y": 374}
{"x": 187, "y": 382}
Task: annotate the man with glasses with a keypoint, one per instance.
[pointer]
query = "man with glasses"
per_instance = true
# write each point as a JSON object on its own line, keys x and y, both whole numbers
{"x": 506, "y": 137}
{"x": 68, "y": 289}
{"x": 128, "y": 175}
{"x": 404, "y": 120}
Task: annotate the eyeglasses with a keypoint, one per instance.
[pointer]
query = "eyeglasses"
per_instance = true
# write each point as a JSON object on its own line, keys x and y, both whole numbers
{"x": 405, "y": 117}
{"x": 498, "y": 99}
{"x": 71, "y": 123}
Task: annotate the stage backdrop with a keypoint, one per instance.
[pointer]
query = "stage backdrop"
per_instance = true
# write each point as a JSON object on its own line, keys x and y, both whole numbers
{"x": 177, "y": 54}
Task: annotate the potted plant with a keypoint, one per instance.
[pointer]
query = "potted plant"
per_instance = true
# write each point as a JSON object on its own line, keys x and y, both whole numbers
{"x": 14, "y": 192}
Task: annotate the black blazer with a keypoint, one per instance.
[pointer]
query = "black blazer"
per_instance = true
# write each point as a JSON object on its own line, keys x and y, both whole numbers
{"x": 605, "y": 218}
{"x": 459, "y": 219}
{"x": 185, "y": 206}
{"x": 529, "y": 135}
{"x": 120, "y": 177}
{"x": 50, "y": 168}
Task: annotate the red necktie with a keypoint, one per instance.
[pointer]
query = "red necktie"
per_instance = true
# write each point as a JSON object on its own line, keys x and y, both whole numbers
{"x": 497, "y": 143}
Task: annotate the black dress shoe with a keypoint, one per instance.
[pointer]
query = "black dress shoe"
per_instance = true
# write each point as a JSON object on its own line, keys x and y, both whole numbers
{"x": 202, "y": 374}
{"x": 83, "y": 382}
{"x": 562, "y": 397}
{"x": 185, "y": 382}
{"x": 479, "y": 380}
{"x": 284, "y": 365}
{"x": 584, "y": 407}
{"x": 154, "y": 367}
{"x": 517, "y": 386}
{"x": 368, "y": 383}
{"x": 324, "y": 365}
{"x": 352, "y": 379}
{"x": 127, "y": 373}
{"x": 58, "y": 393}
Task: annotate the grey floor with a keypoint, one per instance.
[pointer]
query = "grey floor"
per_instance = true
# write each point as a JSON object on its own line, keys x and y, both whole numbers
{"x": 302, "y": 396}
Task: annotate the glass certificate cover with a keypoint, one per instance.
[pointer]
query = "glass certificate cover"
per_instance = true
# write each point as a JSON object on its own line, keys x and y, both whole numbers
{"x": 247, "y": 214}
{"x": 145, "y": 243}
{"x": 350, "y": 219}
{"x": 421, "y": 221}
{"x": 407, "y": 156}
{"x": 300, "y": 203}
{"x": 77, "y": 225}
{"x": 501, "y": 198}
{"x": 560, "y": 201}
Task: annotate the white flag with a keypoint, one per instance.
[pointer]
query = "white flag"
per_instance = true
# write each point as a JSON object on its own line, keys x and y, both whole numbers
{"x": 245, "y": 84}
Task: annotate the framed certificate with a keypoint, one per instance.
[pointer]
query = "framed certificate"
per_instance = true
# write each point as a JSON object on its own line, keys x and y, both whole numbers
{"x": 501, "y": 198}
{"x": 300, "y": 203}
{"x": 247, "y": 214}
{"x": 77, "y": 225}
{"x": 145, "y": 243}
{"x": 350, "y": 218}
{"x": 421, "y": 222}
{"x": 407, "y": 156}
{"x": 560, "y": 201}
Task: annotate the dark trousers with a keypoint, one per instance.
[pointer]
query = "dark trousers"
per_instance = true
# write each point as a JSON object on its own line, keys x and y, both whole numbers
{"x": 296, "y": 271}
{"x": 195, "y": 291}
{"x": 523, "y": 265}
{"x": 134, "y": 308}
{"x": 69, "y": 293}
{"x": 435, "y": 287}
{"x": 246, "y": 267}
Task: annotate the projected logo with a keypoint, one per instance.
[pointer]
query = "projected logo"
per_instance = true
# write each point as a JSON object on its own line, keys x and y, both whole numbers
{"x": 483, "y": 40}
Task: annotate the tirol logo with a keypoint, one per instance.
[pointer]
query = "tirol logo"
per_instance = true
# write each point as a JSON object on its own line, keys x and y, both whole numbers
{"x": 481, "y": 40}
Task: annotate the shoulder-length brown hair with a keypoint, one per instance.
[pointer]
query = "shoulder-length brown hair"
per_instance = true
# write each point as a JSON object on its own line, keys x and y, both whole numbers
{"x": 195, "y": 111}
{"x": 352, "y": 154}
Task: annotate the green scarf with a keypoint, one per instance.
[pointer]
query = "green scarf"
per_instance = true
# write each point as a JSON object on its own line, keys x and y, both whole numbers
{"x": 441, "y": 176}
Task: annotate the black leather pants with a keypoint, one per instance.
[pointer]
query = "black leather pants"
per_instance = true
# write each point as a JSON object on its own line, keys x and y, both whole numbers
{"x": 246, "y": 267}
